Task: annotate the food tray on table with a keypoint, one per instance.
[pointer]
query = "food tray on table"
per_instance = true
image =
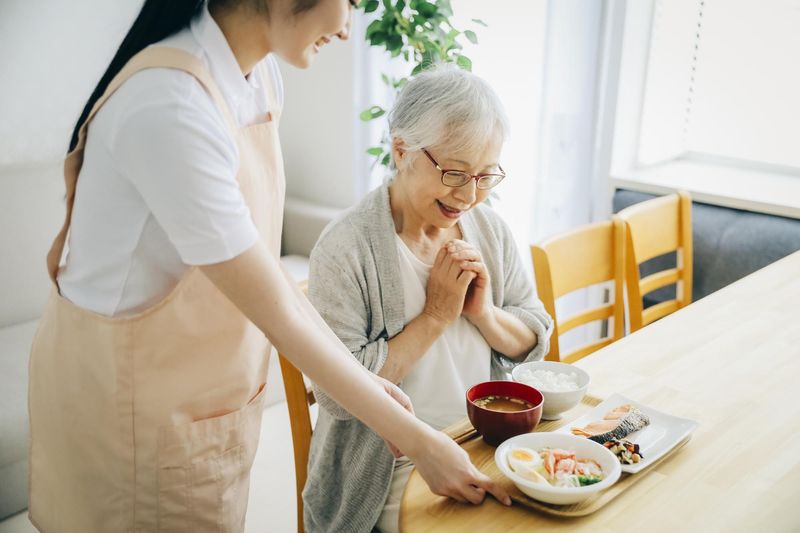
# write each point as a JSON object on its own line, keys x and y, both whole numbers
{"x": 482, "y": 455}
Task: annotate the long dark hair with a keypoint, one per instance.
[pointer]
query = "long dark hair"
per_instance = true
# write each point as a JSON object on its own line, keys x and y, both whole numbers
{"x": 157, "y": 20}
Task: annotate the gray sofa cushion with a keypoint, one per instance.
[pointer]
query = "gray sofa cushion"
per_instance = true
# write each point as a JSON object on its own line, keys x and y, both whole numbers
{"x": 728, "y": 244}
{"x": 15, "y": 345}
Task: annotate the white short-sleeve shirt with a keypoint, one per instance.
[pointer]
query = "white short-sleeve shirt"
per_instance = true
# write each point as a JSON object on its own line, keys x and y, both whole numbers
{"x": 157, "y": 192}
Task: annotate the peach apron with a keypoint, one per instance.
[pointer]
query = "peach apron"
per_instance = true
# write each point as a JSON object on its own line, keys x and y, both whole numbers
{"x": 150, "y": 422}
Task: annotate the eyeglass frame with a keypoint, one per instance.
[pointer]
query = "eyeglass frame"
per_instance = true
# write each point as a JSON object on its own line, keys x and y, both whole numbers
{"x": 476, "y": 177}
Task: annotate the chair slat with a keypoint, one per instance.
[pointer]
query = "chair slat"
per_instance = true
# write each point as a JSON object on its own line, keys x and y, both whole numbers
{"x": 658, "y": 280}
{"x": 586, "y": 349}
{"x": 584, "y": 317}
{"x": 660, "y": 310}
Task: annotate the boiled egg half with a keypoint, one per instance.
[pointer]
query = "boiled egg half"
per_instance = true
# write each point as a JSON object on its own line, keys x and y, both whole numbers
{"x": 525, "y": 462}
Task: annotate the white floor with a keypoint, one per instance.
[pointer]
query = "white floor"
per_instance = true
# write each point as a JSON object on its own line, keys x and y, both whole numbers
{"x": 272, "y": 493}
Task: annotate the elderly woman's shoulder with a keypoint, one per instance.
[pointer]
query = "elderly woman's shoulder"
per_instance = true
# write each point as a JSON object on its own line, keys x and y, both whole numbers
{"x": 488, "y": 220}
{"x": 349, "y": 230}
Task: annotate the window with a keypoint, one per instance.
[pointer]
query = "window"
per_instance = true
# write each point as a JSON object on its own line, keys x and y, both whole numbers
{"x": 719, "y": 111}
{"x": 723, "y": 81}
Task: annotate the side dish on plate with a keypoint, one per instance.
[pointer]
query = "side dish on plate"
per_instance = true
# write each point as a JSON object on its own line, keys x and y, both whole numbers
{"x": 554, "y": 466}
{"x": 616, "y": 424}
{"x": 635, "y": 433}
{"x": 557, "y": 468}
{"x": 627, "y": 452}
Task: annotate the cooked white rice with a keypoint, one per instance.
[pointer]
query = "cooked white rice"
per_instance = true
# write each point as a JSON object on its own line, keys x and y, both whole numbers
{"x": 548, "y": 381}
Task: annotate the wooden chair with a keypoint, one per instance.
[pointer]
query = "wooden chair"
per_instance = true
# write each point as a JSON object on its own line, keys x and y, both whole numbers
{"x": 578, "y": 259}
{"x": 653, "y": 228}
{"x": 299, "y": 397}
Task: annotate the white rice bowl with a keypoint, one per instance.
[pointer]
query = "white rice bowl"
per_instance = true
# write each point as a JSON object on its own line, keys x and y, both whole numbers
{"x": 557, "y": 376}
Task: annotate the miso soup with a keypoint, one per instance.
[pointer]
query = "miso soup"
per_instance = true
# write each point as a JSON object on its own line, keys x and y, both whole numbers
{"x": 503, "y": 404}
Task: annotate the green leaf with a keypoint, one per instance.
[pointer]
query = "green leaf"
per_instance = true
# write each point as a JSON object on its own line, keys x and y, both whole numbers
{"x": 386, "y": 79}
{"x": 479, "y": 21}
{"x": 386, "y": 159}
{"x": 371, "y": 6}
{"x": 375, "y": 150}
{"x": 377, "y": 38}
{"x": 471, "y": 37}
{"x": 464, "y": 62}
{"x": 424, "y": 8}
{"x": 372, "y": 113}
{"x": 394, "y": 43}
{"x": 374, "y": 26}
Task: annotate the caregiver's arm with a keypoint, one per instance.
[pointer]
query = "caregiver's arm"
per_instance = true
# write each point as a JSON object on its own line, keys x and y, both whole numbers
{"x": 254, "y": 282}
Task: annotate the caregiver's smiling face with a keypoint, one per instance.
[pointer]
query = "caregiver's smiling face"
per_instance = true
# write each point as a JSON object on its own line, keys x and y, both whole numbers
{"x": 433, "y": 202}
{"x": 303, "y": 34}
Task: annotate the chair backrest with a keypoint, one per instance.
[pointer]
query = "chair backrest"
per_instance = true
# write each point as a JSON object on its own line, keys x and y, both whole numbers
{"x": 299, "y": 397}
{"x": 653, "y": 228}
{"x": 575, "y": 260}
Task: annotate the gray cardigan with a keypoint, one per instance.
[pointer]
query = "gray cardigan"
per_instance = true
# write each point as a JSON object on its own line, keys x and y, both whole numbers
{"x": 355, "y": 284}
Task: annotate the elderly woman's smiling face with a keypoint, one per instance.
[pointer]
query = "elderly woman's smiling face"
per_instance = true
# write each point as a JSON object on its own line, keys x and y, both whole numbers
{"x": 435, "y": 203}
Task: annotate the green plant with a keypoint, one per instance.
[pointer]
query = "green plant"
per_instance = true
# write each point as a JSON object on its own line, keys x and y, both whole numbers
{"x": 420, "y": 33}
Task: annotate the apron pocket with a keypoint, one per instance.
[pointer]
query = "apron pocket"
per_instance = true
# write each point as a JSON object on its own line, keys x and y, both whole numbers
{"x": 204, "y": 471}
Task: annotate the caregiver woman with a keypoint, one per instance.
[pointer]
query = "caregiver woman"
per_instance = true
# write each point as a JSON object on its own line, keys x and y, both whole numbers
{"x": 147, "y": 372}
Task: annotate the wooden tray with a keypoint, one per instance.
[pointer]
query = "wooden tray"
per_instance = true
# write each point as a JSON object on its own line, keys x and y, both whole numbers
{"x": 482, "y": 456}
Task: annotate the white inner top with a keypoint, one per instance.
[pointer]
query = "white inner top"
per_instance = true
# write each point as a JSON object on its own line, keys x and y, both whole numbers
{"x": 457, "y": 360}
{"x": 158, "y": 191}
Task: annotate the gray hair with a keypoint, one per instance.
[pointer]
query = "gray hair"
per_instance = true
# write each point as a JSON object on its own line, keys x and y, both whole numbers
{"x": 447, "y": 106}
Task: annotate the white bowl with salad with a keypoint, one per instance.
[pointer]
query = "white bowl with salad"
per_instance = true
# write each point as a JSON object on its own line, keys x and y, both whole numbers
{"x": 557, "y": 468}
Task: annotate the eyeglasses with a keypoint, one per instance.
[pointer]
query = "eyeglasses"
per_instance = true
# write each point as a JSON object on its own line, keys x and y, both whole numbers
{"x": 459, "y": 178}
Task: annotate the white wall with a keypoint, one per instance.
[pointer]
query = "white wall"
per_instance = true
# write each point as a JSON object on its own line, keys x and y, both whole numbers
{"x": 510, "y": 55}
{"x": 53, "y": 54}
{"x": 318, "y": 127}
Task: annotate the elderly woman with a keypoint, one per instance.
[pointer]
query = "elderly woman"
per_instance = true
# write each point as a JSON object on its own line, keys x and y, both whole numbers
{"x": 423, "y": 283}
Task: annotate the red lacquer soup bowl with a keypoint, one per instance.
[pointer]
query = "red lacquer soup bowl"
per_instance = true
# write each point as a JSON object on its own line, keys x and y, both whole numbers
{"x": 504, "y": 409}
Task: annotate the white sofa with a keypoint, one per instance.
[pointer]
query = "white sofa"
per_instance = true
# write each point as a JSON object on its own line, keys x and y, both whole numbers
{"x": 31, "y": 210}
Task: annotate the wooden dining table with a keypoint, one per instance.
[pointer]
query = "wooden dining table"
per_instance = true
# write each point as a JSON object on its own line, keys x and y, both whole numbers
{"x": 730, "y": 361}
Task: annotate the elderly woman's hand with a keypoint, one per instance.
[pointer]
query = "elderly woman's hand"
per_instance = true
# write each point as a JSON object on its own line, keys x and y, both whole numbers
{"x": 478, "y": 304}
{"x": 447, "y": 288}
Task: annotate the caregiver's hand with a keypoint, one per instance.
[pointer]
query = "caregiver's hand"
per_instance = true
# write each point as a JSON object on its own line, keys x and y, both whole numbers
{"x": 400, "y": 397}
{"x": 447, "y": 287}
{"x": 447, "y": 470}
{"x": 478, "y": 304}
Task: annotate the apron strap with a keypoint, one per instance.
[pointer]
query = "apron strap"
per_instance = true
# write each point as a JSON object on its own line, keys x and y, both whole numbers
{"x": 274, "y": 107}
{"x": 150, "y": 57}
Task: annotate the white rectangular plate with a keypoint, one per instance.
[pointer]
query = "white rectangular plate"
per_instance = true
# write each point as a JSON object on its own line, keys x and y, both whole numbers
{"x": 656, "y": 439}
